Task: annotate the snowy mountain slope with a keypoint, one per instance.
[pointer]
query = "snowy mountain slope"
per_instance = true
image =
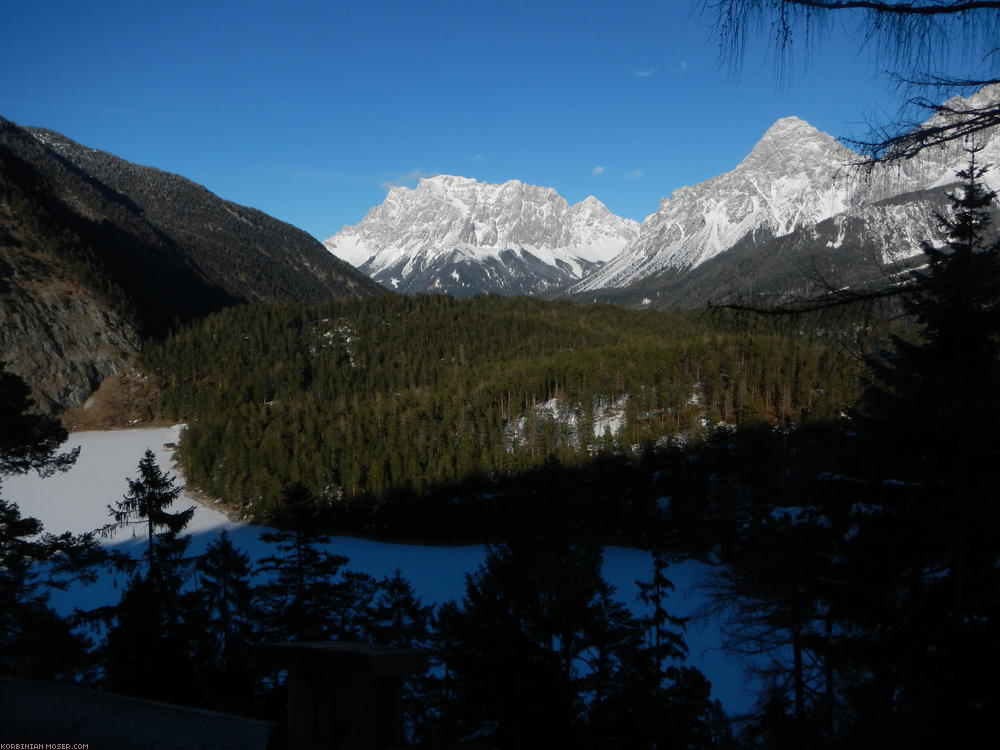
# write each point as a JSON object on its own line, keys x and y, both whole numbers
{"x": 936, "y": 167}
{"x": 767, "y": 212}
{"x": 858, "y": 247}
{"x": 793, "y": 177}
{"x": 456, "y": 235}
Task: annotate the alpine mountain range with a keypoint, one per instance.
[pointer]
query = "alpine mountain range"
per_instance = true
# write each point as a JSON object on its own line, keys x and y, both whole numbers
{"x": 792, "y": 218}
{"x": 94, "y": 248}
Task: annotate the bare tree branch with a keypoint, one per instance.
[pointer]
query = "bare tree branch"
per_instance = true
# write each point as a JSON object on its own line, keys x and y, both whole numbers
{"x": 906, "y": 141}
{"x": 929, "y": 9}
{"x": 914, "y": 36}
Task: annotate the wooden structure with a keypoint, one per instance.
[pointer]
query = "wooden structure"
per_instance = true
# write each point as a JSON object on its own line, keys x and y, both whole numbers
{"x": 344, "y": 696}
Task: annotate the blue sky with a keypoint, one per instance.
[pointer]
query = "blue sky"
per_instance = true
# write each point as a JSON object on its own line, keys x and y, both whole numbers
{"x": 309, "y": 110}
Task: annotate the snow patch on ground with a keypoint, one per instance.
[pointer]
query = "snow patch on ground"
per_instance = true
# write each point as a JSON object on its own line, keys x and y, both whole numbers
{"x": 609, "y": 417}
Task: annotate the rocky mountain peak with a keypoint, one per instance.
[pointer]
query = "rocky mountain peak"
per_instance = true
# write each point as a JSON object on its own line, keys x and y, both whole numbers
{"x": 789, "y": 179}
{"x": 791, "y": 145}
{"x": 520, "y": 231}
{"x": 786, "y": 128}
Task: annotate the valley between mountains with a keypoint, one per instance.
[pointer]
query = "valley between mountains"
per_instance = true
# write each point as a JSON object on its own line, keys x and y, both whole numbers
{"x": 556, "y": 387}
{"x": 99, "y": 254}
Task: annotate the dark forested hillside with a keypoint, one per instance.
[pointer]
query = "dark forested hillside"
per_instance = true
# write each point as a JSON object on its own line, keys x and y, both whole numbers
{"x": 247, "y": 253}
{"x": 96, "y": 253}
{"x": 398, "y": 396}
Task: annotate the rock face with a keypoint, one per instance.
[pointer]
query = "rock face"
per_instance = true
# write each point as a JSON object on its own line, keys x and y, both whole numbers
{"x": 55, "y": 332}
{"x": 462, "y": 237}
{"x": 936, "y": 167}
{"x": 867, "y": 246}
{"x": 96, "y": 253}
{"x": 793, "y": 177}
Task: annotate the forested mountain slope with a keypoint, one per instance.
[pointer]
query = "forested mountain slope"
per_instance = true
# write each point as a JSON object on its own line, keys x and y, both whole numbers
{"x": 96, "y": 252}
{"x": 396, "y": 396}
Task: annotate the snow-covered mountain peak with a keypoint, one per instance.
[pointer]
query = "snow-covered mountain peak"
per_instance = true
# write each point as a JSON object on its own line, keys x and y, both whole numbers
{"x": 792, "y": 144}
{"x": 786, "y": 129}
{"x": 448, "y": 219}
{"x": 591, "y": 203}
{"x": 789, "y": 179}
{"x": 982, "y": 97}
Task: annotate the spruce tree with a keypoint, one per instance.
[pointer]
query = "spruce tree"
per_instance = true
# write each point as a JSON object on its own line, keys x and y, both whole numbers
{"x": 225, "y": 615}
{"x": 303, "y": 595}
{"x": 29, "y": 441}
{"x": 149, "y": 648}
{"x": 146, "y": 504}
{"x": 34, "y": 640}
{"x": 539, "y": 653}
{"x": 926, "y": 517}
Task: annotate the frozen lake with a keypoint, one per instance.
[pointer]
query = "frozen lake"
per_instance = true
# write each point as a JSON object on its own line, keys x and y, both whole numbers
{"x": 78, "y": 501}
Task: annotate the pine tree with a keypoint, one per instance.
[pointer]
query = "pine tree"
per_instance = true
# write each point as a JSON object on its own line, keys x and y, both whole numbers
{"x": 945, "y": 380}
{"x": 34, "y": 640}
{"x": 28, "y": 441}
{"x": 149, "y": 648}
{"x": 879, "y": 575}
{"x": 145, "y": 504}
{"x": 516, "y": 649}
{"x": 396, "y": 616}
{"x": 225, "y": 612}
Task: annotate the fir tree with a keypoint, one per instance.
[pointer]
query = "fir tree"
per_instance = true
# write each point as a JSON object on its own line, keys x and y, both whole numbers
{"x": 537, "y": 649}
{"x": 149, "y": 648}
{"x": 225, "y": 615}
{"x": 925, "y": 523}
{"x": 34, "y": 640}
{"x": 28, "y": 441}
{"x": 145, "y": 504}
{"x": 304, "y": 596}
{"x": 874, "y": 581}
{"x": 396, "y": 616}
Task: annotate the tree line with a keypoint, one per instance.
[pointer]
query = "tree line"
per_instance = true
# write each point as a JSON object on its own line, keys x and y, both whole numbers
{"x": 386, "y": 398}
{"x": 537, "y": 651}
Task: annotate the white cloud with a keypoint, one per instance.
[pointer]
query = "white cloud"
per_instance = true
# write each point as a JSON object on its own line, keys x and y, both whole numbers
{"x": 679, "y": 67}
{"x": 635, "y": 174}
{"x": 645, "y": 73}
{"x": 599, "y": 169}
{"x": 396, "y": 179}
{"x": 477, "y": 157}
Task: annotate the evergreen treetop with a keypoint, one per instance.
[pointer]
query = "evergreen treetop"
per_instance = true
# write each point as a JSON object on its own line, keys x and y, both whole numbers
{"x": 146, "y": 503}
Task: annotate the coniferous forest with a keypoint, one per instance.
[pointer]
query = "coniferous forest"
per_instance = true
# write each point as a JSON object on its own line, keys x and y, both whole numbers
{"x": 846, "y": 504}
{"x": 383, "y": 404}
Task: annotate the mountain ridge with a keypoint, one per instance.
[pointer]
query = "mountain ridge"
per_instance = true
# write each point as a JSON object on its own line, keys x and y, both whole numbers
{"x": 793, "y": 179}
{"x": 458, "y": 235}
{"x": 788, "y": 178}
{"x": 97, "y": 253}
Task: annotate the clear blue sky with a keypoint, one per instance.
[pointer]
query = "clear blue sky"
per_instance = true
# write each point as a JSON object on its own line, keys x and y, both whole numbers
{"x": 308, "y": 110}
